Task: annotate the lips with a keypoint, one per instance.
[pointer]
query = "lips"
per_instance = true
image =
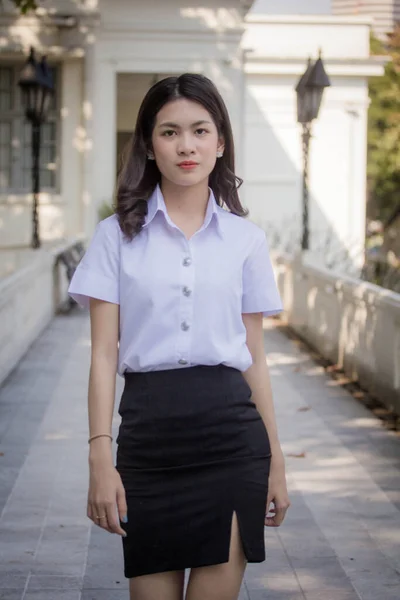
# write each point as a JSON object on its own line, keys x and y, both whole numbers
{"x": 187, "y": 164}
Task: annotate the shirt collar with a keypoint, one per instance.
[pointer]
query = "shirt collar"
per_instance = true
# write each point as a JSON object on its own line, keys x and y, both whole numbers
{"x": 156, "y": 204}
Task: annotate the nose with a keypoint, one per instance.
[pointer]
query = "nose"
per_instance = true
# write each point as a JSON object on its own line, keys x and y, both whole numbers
{"x": 186, "y": 144}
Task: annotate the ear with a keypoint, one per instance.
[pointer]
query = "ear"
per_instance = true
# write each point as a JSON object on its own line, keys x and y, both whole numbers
{"x": 220, "y": 147}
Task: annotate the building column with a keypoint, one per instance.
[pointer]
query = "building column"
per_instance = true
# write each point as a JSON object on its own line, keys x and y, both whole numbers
{"x": 71, "y": 150}
{"x": 100, "y": 161}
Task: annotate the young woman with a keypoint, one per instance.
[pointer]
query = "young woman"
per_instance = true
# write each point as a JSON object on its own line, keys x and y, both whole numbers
{"x": 178, "y": 282}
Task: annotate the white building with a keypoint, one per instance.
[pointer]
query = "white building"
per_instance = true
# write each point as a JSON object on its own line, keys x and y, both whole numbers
{"x": 385, "y": 13}
{"x": 105, "y": 56}
{"x": 291, "y": 7}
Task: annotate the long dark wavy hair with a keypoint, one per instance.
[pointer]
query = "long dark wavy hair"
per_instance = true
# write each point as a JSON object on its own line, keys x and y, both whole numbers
{"x": 139, "y": 176}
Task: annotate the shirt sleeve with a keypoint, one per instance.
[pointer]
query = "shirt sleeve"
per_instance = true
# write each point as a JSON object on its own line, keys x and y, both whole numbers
{"x": 260, "y": 292}
{"x": 97, "y": 275}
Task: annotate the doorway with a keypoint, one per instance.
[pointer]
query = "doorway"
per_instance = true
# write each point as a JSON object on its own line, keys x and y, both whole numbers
{"x": 131, "y": 89}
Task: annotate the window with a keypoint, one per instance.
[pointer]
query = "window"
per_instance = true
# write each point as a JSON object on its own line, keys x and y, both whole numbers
{"x": 15, "y": 138}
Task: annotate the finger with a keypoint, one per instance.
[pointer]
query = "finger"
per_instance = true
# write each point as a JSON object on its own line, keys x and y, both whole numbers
{"x": 270, "y": 517}
{"x": 270, "y": 507}
{"x": 113, "y": 524}
{"x": 278, "y": 517}
{"x": 121, "y": 505}
{"x": 272, "y": 521}
{"x": 269, "y": 522}
{"x": 100, "y": 517}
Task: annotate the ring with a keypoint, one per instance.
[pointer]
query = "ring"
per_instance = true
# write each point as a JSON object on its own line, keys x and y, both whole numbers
{"x": 101, "y": 517}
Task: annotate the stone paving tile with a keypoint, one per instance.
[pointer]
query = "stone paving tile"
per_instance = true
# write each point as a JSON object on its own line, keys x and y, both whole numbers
{"x": 51, "y": 582}
{"x": 317, "y": 574}
{"x": 56, "y": 594}
{"x": 334, "y": 594}
{"x": 24, "y": 398}
{"x": 268, "y": 595}
{"x": 96, "y": 576}
{"x": 105, "y": 594}
{"x": 243, "y": 594}
{"x": 10, "y": 594}
{"x": 287, "y": 583}
{"x": 32, "y": 533}
{"x": 339, "y": 539}
{"x": 13, "y": 579}
{"x": 376, "y": 449}
{"x": 331, "y": 481}
{"x": 372, "y": 591}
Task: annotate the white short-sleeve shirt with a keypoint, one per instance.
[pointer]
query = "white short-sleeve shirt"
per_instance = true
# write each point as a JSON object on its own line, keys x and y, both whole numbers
{"x": 181, "y": 301}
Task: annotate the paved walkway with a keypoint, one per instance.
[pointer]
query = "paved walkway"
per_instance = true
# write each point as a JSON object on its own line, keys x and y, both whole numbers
{"x": 341, "y": 539}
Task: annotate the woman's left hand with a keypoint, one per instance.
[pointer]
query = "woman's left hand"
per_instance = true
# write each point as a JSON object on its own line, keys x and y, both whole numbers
{"x": 277, "y": 492}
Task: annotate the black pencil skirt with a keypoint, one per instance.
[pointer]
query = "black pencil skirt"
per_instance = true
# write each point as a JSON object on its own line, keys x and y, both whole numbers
{"x": 192, "y": 450}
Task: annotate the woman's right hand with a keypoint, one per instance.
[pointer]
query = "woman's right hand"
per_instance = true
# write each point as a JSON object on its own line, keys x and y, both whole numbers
{"x": 106, "y": 498}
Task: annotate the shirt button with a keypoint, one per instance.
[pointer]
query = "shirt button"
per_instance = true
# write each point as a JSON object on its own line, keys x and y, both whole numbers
{"x": 187, "y": 261}
{"x": 185, "y": 326}
{"x": 182, "y": 361}
{"x": 186, "y": 291}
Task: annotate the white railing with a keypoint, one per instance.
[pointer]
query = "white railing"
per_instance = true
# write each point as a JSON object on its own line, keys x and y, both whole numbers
{"x": 354, "y": 324}
{"x": 29, "y": 297}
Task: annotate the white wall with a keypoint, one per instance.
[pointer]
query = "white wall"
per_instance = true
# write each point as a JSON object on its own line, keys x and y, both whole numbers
{"x": 278, "y": 48}
{"x": 178, "y": 15}
{"x": 292, "y": 7}
{"x": 299, "y": 36}
{"x": 272, "y": 150}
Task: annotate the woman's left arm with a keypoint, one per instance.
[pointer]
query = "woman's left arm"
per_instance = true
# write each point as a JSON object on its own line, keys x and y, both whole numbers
{"x": 257, "y": 376}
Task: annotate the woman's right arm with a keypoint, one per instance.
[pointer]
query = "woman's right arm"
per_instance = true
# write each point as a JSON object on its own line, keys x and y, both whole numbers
{"x": 106, "y": 496}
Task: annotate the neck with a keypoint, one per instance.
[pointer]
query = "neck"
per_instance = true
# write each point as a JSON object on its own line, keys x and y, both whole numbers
{"x": 189, "y": 201}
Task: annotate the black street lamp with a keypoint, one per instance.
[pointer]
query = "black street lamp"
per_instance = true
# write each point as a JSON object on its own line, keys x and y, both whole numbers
{"x": 309, "y": 89}
{"x": 37, "y": 88}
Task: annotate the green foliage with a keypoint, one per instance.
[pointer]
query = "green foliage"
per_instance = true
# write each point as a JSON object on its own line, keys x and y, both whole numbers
{"x": 376, "y": 47}
{"x": 384, "y": 129}
{"x": 24, "y": 6}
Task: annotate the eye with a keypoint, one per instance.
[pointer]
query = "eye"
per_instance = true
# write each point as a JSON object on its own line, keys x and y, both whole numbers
{"x": 201, "y": 131}
{"x": 168, "y": 133}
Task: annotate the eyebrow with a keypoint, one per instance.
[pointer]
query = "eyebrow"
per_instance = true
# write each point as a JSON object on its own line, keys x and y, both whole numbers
{"x": 176, "y": 126}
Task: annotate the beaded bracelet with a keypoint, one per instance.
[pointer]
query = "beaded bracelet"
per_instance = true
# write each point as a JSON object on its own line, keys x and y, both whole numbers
{"x": 94, "y": 437}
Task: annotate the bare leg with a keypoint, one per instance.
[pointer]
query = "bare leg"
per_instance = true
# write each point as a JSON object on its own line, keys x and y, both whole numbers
{"x": 165, "y": 586}
{"x": 220, "y": 582}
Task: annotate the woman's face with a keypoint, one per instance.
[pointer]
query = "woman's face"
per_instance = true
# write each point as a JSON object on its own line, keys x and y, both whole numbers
{"x": 185, "y": 142}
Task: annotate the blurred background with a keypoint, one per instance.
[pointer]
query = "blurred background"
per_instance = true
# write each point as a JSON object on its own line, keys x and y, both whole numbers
{"x": 313, "y": 91}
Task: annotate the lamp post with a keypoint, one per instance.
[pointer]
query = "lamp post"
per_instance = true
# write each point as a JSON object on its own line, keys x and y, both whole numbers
{"x": 37, "y": 88}
{"x": 309, "y": 89}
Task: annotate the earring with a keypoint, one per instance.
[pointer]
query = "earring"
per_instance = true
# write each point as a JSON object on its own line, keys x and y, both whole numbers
{"x": 220, "y": 154}
{"x": 150, "y": 155}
